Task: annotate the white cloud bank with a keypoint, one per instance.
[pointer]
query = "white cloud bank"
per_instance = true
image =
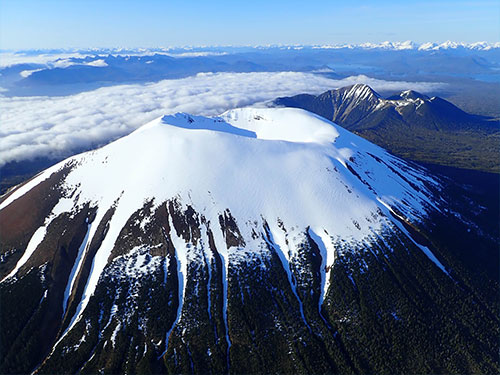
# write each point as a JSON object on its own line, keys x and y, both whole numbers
{"x": 59, "y": 126}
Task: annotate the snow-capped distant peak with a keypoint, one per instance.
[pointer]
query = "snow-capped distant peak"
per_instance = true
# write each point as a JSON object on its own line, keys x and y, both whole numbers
{"x": 390, "y": 45}
{"x": 362, "y": 91}
{"x": 409, "y": 45}
{"x": 427, "y": 46}
{"x": 449, "y": 45}
{"x": 413, "y": 95}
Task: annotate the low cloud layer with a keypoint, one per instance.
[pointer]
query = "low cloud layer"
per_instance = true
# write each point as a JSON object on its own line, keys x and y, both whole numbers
{"x": 59, "y": 126}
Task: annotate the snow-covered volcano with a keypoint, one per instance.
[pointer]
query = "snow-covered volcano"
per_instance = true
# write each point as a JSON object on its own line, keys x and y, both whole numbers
{"x": 200, "y": 209}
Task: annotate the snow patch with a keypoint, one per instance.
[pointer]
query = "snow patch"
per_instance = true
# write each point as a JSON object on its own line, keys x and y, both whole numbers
{"x": 279, "y": 246}
{"x": 27, "y": 73}
{"x": 75, "y": 269}
{"x": 115, "y": 333}
{"x": 35, "y": 240}
{"x": 181, "y": 258}
{"x": 23, "y": 189}
{"x": 424, "y": 249}
{"x": 100, "y": 63}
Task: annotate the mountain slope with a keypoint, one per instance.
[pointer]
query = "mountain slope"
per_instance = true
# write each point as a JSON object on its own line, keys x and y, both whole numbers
{"x": 409, "y": 124}
{"x": 264, "y": 240}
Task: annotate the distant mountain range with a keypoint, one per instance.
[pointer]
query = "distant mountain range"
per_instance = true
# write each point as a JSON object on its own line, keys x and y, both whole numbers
{"x": 27, "y": 72}
{"x": 410, "y": 124}
{"x": 409, "y": 45}
{"x": 209, "y": 50}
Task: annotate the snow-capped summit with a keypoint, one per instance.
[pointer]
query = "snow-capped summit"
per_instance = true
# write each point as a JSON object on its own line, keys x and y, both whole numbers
{"x": 279, "y": 164}
{"x": 193, "y": 238}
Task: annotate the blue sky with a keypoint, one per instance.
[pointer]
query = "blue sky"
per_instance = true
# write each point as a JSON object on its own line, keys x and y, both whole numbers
{"x": 149, "y": 23}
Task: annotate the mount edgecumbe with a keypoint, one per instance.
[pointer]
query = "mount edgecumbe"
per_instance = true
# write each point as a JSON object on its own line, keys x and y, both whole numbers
{"x": 264, "y": 240}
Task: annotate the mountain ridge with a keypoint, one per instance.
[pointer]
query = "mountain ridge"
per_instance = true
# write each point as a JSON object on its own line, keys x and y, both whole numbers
{"x": 408, "y": 124}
